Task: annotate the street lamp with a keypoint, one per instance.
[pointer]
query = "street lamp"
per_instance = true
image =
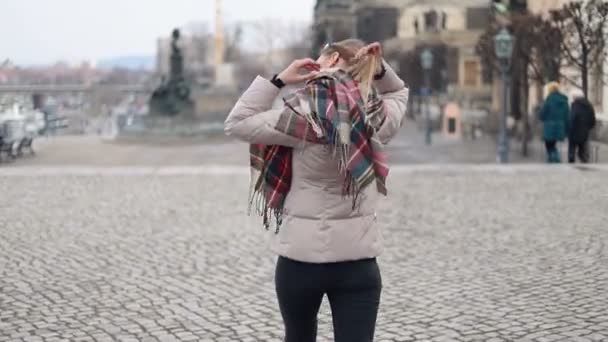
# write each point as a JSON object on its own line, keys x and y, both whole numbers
{"x": 503, "y": 43}
{"x": 427, "y": 64}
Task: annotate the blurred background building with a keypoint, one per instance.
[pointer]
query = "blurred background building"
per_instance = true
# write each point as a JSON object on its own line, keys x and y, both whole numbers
{"x": 221, "y": 59}
{"x": 452, "y": 30}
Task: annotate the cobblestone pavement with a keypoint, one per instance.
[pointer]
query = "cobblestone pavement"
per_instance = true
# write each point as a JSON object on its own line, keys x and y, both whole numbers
{"x": 472, "y": 254}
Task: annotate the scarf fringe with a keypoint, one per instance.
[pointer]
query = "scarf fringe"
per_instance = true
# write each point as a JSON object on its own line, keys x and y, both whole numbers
{"x": 262, "y": 208}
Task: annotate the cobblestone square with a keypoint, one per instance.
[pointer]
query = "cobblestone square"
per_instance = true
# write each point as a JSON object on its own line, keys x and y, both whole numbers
{"x": 473, "y": 253}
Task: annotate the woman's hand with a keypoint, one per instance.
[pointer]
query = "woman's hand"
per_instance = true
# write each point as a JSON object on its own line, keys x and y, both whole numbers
{"x": 299, "y": 71}
{"x": 373, "y": 49}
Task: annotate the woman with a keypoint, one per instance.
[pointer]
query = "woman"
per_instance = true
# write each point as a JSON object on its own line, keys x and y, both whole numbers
{"x": 554, "y": 114}
{"x": 318, "y": 167}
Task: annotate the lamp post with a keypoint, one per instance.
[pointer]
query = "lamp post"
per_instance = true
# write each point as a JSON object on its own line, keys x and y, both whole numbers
{"x": 427, "y": 64}
{"x": 503, "y": 43}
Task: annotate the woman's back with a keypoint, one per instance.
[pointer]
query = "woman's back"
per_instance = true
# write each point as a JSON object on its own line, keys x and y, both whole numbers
{"x": 320, "y": 224}
{"x": 555, "y": 117}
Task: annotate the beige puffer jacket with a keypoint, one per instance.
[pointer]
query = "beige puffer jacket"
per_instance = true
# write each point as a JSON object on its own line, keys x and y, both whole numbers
{"x": 319, "y": 225}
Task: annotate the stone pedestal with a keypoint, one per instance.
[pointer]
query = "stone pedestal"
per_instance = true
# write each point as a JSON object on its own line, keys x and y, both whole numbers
{"x": 224, "y": 76}
{"x": 213, "y": 105}
{"x": 165, "y": 129}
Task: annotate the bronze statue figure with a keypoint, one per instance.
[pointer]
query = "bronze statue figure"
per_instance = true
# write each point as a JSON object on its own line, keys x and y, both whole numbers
{"x": 172, "y": 97}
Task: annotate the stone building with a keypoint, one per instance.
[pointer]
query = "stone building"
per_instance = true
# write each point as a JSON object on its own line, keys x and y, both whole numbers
{"x": 333, "y": 20}
{"x": 451, "y": 29}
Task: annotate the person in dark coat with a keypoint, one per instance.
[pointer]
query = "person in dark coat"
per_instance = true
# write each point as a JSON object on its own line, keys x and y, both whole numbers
{"x": 582, "y": 121}
{"x": 555, "y": 115}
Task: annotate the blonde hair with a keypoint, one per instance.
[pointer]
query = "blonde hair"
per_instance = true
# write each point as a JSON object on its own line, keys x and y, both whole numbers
{"x": 361, "y": 69}
{"x": 552, "y": 87}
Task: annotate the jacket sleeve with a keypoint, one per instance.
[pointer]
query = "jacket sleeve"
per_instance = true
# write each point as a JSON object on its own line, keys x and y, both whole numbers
{"x": 253, "y": 120}
{"x": 395, "y": 96}
{"x": 542, "y": 114}
{"x": 567, "y": 121}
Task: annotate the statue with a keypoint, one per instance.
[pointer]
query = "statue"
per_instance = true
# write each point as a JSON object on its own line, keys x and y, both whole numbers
{"x": 172, "y": 97}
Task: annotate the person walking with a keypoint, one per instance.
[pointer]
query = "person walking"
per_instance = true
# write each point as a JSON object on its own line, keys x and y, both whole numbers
{"x": 318, "y": 168}
{"x": 582, "y": 121}
{"x": 554, "y": 115}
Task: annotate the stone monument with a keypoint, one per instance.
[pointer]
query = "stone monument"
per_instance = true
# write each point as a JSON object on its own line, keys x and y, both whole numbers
{"x": 172, "y": 97}
{"x": 179, "y": 108}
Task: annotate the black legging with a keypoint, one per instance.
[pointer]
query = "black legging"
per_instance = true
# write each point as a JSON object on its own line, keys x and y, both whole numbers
{"x": 353, "y": 289}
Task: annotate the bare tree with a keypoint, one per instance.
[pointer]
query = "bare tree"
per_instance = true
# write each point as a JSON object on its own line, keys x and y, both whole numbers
{"x": 573, "y": 38}
{"x": 298, "y": 41}
{"x": 277, "y": 43}
{"x": 583, "y": 27}
{"x": 536, "y": 49}
{"x": 280, "y": 40}
{"x": 268, "y": 37}
{"x": 200, "y": 38}
{"x": 248, "y": 68}
{"x": 536, "y": 56}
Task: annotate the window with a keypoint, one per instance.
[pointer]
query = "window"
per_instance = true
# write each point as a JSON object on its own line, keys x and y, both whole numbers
{"x": 338, "y": 5}
{"x": 431, "y": 21}
{"x": 377, "y": 24}
{"x": 471, "y": 73}
{"x": 518, "y": 5}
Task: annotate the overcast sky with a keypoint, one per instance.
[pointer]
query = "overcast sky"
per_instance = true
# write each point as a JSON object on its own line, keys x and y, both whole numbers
{"x": 44, "y": 31}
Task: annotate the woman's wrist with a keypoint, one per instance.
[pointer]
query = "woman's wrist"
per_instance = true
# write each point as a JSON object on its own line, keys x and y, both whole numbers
{"x": 380, "y": 75}
{"x": 277, "y": 81}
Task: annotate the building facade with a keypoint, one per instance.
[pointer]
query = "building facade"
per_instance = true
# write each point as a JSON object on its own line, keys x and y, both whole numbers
{"x": 451, "y": 29}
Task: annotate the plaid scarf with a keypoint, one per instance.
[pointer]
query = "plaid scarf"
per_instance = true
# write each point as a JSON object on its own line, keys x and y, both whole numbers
{"x": 329, "y": 111}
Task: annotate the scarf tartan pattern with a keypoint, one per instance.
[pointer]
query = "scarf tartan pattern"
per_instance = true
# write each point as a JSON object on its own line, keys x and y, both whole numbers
{"x": 329, "y": 111}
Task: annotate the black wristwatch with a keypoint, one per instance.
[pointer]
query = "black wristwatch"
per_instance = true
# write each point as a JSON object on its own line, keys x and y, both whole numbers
{"x": 381, "y": 74}
{"x": 277, "y": 81}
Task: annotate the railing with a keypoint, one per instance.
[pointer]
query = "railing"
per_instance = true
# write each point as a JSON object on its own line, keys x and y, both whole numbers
{"x": 68, "y": 88}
